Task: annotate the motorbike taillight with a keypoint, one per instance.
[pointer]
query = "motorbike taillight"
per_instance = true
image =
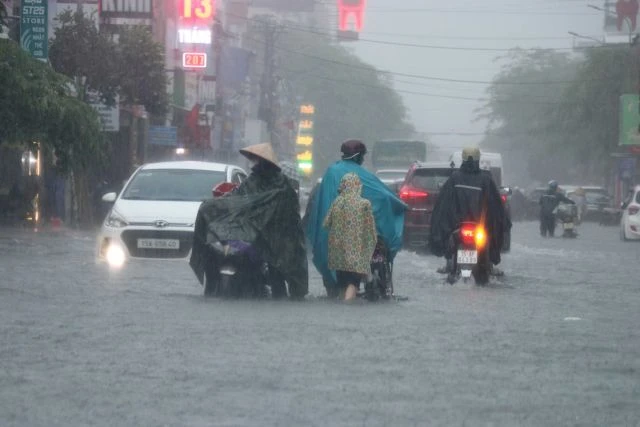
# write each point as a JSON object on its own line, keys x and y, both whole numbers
{"x": 467, "y": 234}
{"x": 473, "y": 235}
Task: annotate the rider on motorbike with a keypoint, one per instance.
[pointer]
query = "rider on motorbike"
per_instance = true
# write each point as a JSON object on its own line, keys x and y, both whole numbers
{"x": 549, "y": 201}
{"x": 469, "y": 195}
{"x": 388, "y": 209}
{"x": 265, "y": 211}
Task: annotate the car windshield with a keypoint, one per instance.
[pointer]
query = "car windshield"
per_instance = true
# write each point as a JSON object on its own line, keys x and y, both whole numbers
{"x": 188, "y": 185}
{"x": 430, "y": 179}
{"x": 391, "y": 175}
{"x": 595, "y": 196}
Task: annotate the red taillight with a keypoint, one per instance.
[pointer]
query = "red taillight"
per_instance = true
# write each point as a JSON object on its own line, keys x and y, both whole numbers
{"x": 633, "y": 210}
{"x": 473, "y": 235}
{"x": 467, "y": 233}
{"x": 504, "y": 198}
{"x": 411, "y": 194}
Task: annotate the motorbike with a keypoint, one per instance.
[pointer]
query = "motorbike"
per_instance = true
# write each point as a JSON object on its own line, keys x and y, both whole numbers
{"x": 236, "y": 269}
{"x": 380, "y": 284}
{"x": 567, "y": 216}
{"x": 470, "y": 254}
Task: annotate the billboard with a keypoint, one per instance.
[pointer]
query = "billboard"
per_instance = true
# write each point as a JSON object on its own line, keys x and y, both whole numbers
{"x": 285, "y": 5}
{"x": 629, "y": 120}
{"x": 621, "y": 19}
{"x": 126, "y": 12}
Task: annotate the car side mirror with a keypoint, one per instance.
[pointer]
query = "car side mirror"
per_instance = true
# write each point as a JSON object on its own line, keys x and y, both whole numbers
{"x": 109, "y": 197}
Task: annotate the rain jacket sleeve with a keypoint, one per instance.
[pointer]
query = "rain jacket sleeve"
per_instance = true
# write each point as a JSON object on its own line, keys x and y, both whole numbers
{"x": 388, "y": 211}
{"x": 267, "y": 218}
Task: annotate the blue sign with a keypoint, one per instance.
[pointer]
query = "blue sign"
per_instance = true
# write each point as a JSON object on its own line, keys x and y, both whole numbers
{"x": 163, "y": 135}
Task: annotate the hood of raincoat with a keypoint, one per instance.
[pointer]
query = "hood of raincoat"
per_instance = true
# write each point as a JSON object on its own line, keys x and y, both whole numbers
{"x": 350, "y": 185}
{"x": 388, "y": 211}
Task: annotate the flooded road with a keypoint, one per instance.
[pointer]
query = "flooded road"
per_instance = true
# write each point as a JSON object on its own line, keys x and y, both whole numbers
{"x": 554, "y": 342}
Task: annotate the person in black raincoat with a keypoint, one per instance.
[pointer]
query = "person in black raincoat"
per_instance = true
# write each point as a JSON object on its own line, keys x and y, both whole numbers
{"x": 469, "y": 195}
{"x": 549, "y": 201}
{"x": 265, "y": 211}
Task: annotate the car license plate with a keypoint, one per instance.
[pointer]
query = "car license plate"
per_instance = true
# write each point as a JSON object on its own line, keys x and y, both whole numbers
{"x": 568, "y": 226}
{"x": 159, "y": 244}
{"x": 467, "y": 256}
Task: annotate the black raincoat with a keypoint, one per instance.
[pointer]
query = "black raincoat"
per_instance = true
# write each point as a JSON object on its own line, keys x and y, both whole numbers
{"x": 264, "y": 211}
{"x": 470, "y": 194}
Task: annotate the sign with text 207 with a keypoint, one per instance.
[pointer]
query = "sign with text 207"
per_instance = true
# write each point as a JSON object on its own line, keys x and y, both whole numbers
{"x": 194, "y": 60}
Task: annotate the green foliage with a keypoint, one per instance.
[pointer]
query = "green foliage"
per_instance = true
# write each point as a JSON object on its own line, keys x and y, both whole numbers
{"x": 562, "y": 130}
{"x": 3, "y": 14}
{"x": 37, "y": 107}
{"x": 352, "y": 98}
{"x": 142, "y": 77}
{"x": 79, "y": 50}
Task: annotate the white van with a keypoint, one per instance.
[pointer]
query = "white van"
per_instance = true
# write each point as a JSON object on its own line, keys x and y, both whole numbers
{"x": 488, "y": 161}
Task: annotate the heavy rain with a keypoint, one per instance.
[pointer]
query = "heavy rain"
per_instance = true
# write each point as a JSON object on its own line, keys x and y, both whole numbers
{"x": 319, "y": 212}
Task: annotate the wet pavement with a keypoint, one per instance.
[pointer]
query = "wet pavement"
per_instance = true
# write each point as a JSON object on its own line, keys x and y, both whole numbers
{"x": 555, "y": 342}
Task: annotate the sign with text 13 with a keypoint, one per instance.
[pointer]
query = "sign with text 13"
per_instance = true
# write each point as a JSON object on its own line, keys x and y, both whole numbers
{"x": 195, "y": 11}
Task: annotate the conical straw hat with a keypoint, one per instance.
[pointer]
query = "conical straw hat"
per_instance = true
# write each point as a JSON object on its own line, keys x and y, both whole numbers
{"x": 264, "y": 151}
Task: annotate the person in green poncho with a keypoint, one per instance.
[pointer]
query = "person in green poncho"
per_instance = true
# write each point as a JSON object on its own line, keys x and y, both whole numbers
{"x": 264, "y": 210}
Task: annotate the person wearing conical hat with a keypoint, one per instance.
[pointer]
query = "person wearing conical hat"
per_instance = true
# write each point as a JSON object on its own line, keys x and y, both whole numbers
{"x": 286, "y": 226}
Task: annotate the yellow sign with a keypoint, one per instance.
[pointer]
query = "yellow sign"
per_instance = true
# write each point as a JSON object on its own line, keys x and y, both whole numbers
{"x": 307, "y": 109}
{"x": 304, "y": 140}
{"x": 307, "y": 156}
{"x": 306, "y": 124}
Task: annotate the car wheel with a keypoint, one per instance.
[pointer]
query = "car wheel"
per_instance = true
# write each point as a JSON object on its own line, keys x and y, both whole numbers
{"x": 506, "y": 245}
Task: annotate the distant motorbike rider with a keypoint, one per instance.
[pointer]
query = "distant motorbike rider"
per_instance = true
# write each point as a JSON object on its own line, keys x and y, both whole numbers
{"x": 388, "y": 209}
{"x": 280, "y": 237}
{"x": 469, "y": 195}
{"x": 549, "y": 201}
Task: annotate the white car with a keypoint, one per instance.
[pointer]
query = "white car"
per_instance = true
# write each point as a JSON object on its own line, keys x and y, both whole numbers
{"x": 630, "y": 224}
{"x": 154, "y": 215}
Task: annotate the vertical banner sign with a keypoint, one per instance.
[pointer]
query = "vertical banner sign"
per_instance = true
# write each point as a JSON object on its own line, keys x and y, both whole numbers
{"x": 34, "y": 22}
{"x": 304, "y": 141}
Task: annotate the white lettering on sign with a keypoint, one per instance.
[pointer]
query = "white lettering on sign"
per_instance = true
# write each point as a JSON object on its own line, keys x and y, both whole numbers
{"x": 194, "y": 36}
{"x": 137, "y": 6}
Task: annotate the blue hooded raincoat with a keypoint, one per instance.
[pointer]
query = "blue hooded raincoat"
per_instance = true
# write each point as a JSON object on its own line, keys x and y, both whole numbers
{"x": 388, "y": 211}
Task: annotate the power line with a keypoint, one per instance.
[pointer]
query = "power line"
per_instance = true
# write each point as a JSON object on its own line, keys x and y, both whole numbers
{"x": 427, "y": 94}
{"x": 435, "y": 47}
{"x": 481, "y": 11}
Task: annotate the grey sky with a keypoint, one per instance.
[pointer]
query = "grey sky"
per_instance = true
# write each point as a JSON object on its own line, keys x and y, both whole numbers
{"x": 456, "y": 23}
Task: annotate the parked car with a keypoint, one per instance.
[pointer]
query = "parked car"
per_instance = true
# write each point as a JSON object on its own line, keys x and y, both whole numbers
{"x": 630, "y": 223}
{"x": 153, "y": 216}
{"x": 392, "y": 178}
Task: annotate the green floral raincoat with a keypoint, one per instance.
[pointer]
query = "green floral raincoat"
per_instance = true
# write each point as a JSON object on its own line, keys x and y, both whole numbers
{"x": 352, "y": 228}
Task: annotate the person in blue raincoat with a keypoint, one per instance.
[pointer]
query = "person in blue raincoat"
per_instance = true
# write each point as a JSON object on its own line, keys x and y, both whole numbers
{"x": 388, "y": 209}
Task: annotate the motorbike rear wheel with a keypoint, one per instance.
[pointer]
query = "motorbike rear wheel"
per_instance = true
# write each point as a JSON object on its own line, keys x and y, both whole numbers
{"x": 209, "y": 286}
{"x": 226, "y": 286}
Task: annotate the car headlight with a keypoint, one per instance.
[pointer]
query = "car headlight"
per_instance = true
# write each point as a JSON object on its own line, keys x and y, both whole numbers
{"x": 115, "y": 220}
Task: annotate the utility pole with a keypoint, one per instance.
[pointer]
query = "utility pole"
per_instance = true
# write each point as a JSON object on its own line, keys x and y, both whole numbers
{"x": 269, "y": 84}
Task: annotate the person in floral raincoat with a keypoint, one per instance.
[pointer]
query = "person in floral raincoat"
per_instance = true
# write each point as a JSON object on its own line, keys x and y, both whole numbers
{"x": 352, "y": 236}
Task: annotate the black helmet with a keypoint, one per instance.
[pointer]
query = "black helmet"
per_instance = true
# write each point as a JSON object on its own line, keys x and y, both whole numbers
{"x": 553, "y": 185}
{"x": 352, "y": 147}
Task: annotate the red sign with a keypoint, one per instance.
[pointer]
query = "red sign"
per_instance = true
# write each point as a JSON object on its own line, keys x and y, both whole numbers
{"x": 194, "y": 60}
{"x": 350, "y": 9}
{"x": 197, "y": 10}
